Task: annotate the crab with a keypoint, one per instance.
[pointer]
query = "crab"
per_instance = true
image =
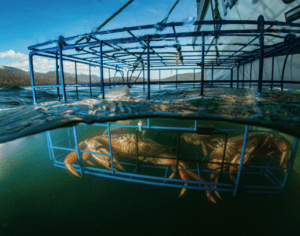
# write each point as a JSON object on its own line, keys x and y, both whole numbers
{"x": 207, "y": 142}
{"x": 268, "y": 145}
{"x": 260, "y": 144}
{"x": 125, "y": 147}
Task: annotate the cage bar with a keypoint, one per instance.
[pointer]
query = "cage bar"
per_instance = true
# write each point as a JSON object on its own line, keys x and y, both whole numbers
{"x": 114, "y": 50}
{"x": 265, "y": 173}
{"x": 133, "y": 48}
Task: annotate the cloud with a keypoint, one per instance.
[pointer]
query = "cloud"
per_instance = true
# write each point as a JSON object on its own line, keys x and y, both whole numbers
{"x": 43, "y": 64}
{"x": 20, "y": 64}
{"x": 11, "y": 54}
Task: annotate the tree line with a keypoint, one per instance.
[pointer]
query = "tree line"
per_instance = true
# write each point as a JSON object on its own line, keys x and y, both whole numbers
{"x": 10, "y": 79}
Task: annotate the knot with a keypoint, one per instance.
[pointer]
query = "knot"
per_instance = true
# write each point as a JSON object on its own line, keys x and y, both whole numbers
{"x": 61, "y": 41}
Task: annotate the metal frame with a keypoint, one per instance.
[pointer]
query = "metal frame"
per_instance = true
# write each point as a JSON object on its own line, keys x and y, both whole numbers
{"x": 160, "y": 47}
{"x": 154, "y": 46}
{"x": 59, "y": 148}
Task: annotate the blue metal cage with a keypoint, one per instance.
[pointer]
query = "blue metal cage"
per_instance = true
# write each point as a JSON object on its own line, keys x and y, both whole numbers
{"x": 147, "y": 48}
{"x": 263, "y": 174}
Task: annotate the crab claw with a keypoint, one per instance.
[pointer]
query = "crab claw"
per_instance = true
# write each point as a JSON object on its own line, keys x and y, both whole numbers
{"x": 215, "y": 178}
{"x": 208, "y": 194}
{"x": 69, "y": 160}
{"x": 183, "y": 176}
{"x": 85, "y": 157}
{"x": 172, "y": 175}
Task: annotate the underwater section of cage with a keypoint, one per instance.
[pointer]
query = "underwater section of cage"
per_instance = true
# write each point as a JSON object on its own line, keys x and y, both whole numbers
{"x": 183, "y": 154}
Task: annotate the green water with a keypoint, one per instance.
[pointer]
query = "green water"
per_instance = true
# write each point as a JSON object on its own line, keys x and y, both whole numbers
{"x": 39, "y": 199}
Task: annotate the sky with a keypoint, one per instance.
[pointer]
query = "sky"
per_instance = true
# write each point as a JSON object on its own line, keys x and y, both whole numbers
{"x": 28, "y": 22}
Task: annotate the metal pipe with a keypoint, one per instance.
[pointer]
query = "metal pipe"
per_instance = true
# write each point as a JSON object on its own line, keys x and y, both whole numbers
{"x": 122, "y": 74}
{"x": 128, "y": 76}
{"x": 231, "y": 77}
{"x": 176, "y": 77}
{"x": 284, "y": 64}
{"x": 143, "y": 78}
{"x": 202, "y": 64}
{"x": 272, "y": 71}
{"x": 90, "y": 80}
{"x": 223, "y": 157}
{"x": 50, "y": 147}
{"x": 145, "y": 27}
{"x": 109, "y": 78}
{"x": 69, "y": 137}
{"x": 101, "y": 69}
{"x": 148, "y": 65}
{"x": 159, "y": 78}
{"x": 243, "y": 76}
{"x": 261, "y": 54}
{"x": 62, "y": 77}
{"x": 292, "y": 159}
{"x": 57, "y": 79}
{"x": 194, "y": 78}
{"x": 77, "y": 150}
{"x": 137, "y": 149}
{"x": 76, "y": 81}
{"x": 250, "y": 74}
{"x": 212, "y": 74}
{"x": 110, "y": 148}
{"x": 177, "y": 154}
{"x": 241, "y": 160}
{"x": 32, "y": 78}
{"x": 238, "y": 75}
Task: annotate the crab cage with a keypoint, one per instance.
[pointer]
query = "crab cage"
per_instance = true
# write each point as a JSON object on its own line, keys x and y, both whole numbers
{"x": 234, "y": 48}
{"x": 190, "y": 144}
{"x": 135, "y": 54}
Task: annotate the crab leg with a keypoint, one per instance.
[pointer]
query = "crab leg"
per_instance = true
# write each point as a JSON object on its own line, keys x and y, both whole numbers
{"x": 69, "y": 160}
{"x": 105, "y": 160}
{"x": 183, "y": 176}
{"x": 209, "y": 196}
{"x": 194, "y": 176}
{"x": 85, "y": 156}
{"x": 204, "y": 149}
{"x": 215, "y": 186}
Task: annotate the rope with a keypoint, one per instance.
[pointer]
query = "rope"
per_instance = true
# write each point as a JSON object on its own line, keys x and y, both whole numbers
{"x": 216, "y": 12}
{"x": 129, "y": 86}
{"x": 158, "y": 28}
{"x": 103, "y": 24}
{"x": 164, "y": 21}
{"x": 167, "y": 16}
{"x": 135, "y": 65}
{"x": 216, "y": 15}
{"x": 112, "y": 16}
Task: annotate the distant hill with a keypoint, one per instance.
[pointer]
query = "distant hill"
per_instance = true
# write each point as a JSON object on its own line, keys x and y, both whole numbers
{"x": 186, "y": 76}
{"x": 14, "y": 76}
{"x": 13, "y": 70}
{"x": 81, "y": 77}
